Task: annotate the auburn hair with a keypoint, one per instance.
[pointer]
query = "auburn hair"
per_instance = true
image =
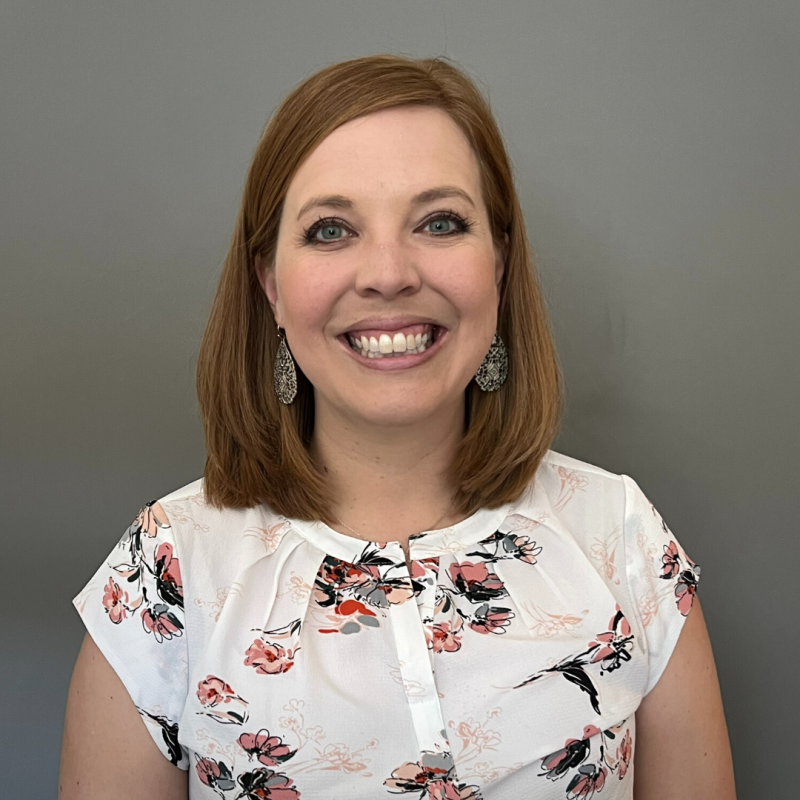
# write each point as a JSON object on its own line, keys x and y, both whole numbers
{"x": 258, "y": 448}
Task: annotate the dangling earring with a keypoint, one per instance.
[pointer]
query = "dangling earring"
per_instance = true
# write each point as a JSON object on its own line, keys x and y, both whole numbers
{"x": 284, "y": 374}
{"x": 493, "y": 371}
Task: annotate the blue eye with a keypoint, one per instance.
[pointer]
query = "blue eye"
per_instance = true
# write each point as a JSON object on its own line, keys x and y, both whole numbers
{"x": 445, "y": 224}
{"x": 327, "y": 227}
{"x": 328, "y": 232}
{"x": 442, "y": 225}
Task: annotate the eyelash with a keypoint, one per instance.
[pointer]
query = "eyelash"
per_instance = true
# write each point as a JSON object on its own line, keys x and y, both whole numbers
{"x": 309, "y": 233}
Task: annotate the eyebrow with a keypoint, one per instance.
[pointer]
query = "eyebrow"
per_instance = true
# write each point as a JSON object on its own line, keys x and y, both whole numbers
{"x": 429, "y": 195}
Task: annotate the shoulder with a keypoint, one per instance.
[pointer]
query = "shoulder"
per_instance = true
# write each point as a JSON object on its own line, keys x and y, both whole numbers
{"x": 564, "y": 485}
{"x": 215, "y": 544}
{"x": 187, "y": 510}
{"x": 593, "y": 506}
{"x": 560, "y": 461}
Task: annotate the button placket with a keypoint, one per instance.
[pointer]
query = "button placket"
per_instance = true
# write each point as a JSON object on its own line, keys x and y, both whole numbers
{"x": 416, "y": 668}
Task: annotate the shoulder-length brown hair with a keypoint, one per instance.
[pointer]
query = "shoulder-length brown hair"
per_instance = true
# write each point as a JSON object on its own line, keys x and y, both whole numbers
{"x": 257, "y": 447}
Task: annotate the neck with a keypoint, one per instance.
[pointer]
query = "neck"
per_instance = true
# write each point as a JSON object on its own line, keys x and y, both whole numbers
{"x": 389, "y": 482}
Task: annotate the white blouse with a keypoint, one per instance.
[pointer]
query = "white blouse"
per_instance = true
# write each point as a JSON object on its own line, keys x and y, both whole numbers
{"x": 277, "y": 658}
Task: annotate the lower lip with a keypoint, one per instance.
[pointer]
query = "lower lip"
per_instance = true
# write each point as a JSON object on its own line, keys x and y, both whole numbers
{"x": 394, "y": 363}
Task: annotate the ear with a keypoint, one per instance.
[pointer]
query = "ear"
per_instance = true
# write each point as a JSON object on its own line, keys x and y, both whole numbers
{"x": 266, "y": 278}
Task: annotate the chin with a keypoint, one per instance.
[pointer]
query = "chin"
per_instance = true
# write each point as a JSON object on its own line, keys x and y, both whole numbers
{"x": 406, "y": 408}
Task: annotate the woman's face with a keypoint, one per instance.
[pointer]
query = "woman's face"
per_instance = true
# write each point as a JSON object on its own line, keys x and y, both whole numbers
{"x": 386, "y": 278}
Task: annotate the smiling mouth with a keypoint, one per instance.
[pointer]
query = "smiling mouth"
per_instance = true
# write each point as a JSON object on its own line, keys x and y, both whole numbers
{"x": 410, "y": 340}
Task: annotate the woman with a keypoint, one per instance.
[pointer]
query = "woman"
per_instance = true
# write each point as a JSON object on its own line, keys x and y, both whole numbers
{"x": 386, "y": 583}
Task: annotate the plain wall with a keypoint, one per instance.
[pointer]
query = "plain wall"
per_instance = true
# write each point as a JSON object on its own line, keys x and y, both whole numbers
{"x": 657, "y": 159}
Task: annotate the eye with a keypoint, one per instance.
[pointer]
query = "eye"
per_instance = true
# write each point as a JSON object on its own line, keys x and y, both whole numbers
{"x": 324, "y": 230}
{"x": 327, "y": 226}
{"x": 448, "y": 223}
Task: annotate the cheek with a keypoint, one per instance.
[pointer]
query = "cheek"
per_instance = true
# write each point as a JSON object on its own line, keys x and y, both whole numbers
{"x": 468, "y": 283}
{"x": 306, "y": 300}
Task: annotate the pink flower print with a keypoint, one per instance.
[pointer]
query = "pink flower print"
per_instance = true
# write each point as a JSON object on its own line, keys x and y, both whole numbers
{"x": 220, "y": 702}
{"x": 430, "y": 777}
{"x": 351, "y": 616}
{"x": 168, "y": 575}
{"x": 214, "y": 774}
{"x": 269, "y": 658}
{"x": 148, "y": 520}
{"x": 571, "y": 755}
{"x": 339, "y": 757}
{"x": 624, "y": 752}
{"x": 266, "y": 784}
{"x": 384, "y": 592}
{"x": 571, "y": 482}
{"x": 507, "y": 546}
{"x": 524, "y": 548}
{"x": 611, "y": 648}
{"x": 491, "y": 620}
{"x": 421, "y": 568}
{"x": 671, "y": 561}
{"x": 115, "y": 601}
{"x": 339, "y": 574}
{"x": 686, "y": 588}
{"x": 445, "y": 637}
{"x": 213, "y": 691}
{"x": 686, "y": 584}
{"x": 475, "y": 581}
{"x": 443, "y": 790}
{"x": 269, "y": 750}
{"x": 336, "y": 576}
{"x": 590, "y": 779}
{"x": 161, "y": 622}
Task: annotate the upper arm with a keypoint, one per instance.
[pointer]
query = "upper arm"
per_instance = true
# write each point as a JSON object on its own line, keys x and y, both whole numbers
{"x": 129, "y": 685}
{"x": 107, "y": 750}
{"x": 682, "y": 749}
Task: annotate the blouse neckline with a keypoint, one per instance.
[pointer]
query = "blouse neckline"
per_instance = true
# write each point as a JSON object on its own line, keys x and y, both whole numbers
{"x": 426, "y": 544}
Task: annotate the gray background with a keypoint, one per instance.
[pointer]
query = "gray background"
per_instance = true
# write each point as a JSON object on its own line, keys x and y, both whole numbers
{"x": 656, "y": 150}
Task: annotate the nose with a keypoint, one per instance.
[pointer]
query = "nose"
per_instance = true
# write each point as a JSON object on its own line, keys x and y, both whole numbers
{"x": 387, "y": 269}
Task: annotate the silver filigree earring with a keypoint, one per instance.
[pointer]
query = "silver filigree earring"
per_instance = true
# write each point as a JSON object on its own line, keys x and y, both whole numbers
{"x": 284, "y": 374}
{"x": 493, "y": 371}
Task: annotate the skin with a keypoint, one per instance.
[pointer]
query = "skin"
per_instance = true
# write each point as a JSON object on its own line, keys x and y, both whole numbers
{"x": 383, "y": 436}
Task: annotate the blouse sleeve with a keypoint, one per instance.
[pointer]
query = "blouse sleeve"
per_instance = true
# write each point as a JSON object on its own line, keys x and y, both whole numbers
{"x": 661, "y": 577}
{"x": 133, "y": 610}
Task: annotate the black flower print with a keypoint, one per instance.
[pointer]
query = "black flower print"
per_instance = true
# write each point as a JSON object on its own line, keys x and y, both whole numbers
{"x": 433, "y": 777}
{"x": 491, "y": 619}
{"x": 351, "y": 589}
{"x": 264, "y": 783}
{"x": 169, "y": 733}
{"x": 509, "y": 545}
{"x": 610, "y": 649}
{"x": 270, "y": 750}
{"x": 476, "y": 581}
{"x": 571, "y": 755}
{"x": 685, "y": 576}
{"x": 588, "y": 777}
{"x": 477, "y": 584}
{"x": 153, "y": 575}
{"x": 214, "y": 774}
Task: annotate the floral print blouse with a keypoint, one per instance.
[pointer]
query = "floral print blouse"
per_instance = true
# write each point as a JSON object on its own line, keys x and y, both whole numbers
{"x": 277, "y": 658}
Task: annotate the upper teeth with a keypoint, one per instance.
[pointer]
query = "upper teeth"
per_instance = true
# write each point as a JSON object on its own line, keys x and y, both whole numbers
{"x": 386, "y": 345}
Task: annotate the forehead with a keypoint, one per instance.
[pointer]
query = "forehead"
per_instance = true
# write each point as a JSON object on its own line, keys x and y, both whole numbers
{"x": 388, "y": 155}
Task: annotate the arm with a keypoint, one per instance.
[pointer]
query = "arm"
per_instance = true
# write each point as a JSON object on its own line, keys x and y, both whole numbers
{"x": 682, "y": 750}
{"x": 106, "y": 750}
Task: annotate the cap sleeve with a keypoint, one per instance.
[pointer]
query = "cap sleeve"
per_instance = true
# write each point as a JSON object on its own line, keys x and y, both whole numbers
{"x": 661, "y": 577}
{"x": 133, "y": 610}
